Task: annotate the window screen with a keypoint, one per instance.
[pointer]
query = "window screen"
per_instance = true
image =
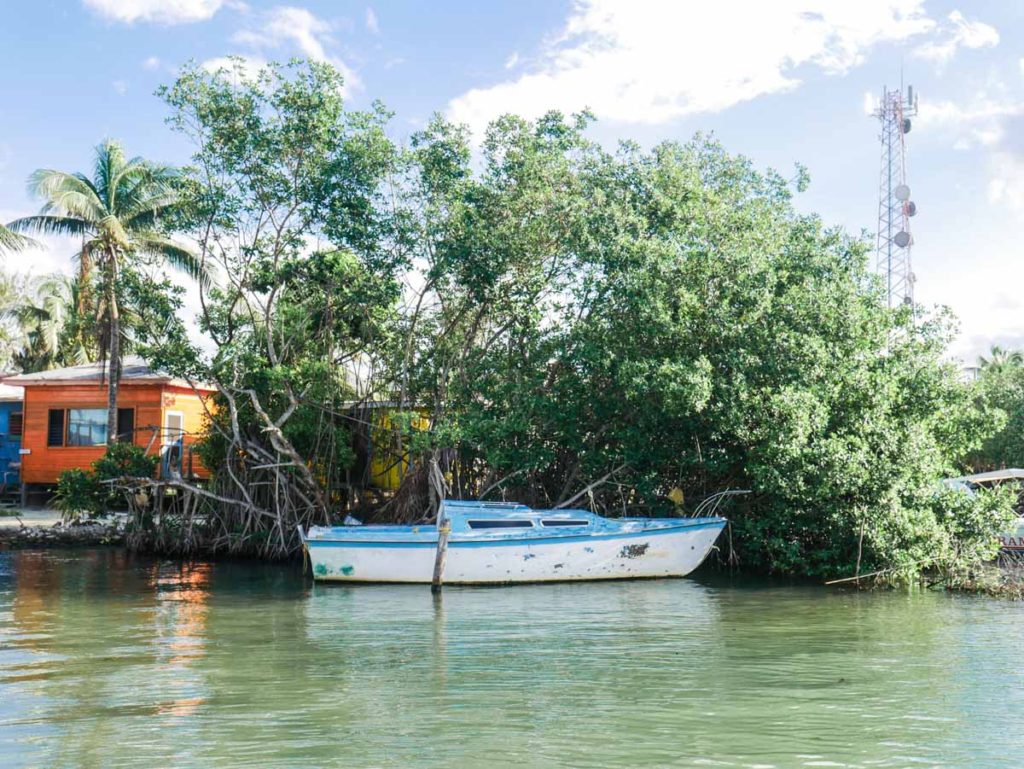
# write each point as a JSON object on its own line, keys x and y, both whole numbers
{"x": 126, "y": 425}
{"x": 505, "y": 523}
{"x": 16, "y": 424}
{"x": 55, "y": 428}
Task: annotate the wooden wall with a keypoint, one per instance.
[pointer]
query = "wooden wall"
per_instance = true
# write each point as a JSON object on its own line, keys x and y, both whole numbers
{"x": 190, "y": 404}
{"x": 44, "y": 464}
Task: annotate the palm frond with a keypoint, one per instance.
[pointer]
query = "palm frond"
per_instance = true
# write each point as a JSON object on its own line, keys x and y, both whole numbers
{"x": 49, "y": 225}
{"x": 66, "y": 194}
{"x": 110, "y": 161}
{"x": 147, "y": 192}
{"x": 12, "y": 241}
{"x": 177, "y": 256}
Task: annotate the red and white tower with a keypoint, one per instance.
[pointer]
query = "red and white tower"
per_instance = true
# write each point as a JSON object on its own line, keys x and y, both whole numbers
{"x": 895, "y": 208}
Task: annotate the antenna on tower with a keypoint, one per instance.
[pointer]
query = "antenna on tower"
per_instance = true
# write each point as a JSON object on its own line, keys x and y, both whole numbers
{"x": 895, "y": 208}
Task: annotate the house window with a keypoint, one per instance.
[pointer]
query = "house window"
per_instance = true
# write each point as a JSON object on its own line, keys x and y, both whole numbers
{"x": 174, "y": 429}
{"x": 15, "y": 427}
{"x": 87, "y": 427}
{"x": 126, "y": 425}
{"x": 55, "y": 428}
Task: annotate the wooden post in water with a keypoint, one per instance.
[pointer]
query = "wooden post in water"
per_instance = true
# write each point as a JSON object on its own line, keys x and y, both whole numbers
{"x": 444, "y": 526}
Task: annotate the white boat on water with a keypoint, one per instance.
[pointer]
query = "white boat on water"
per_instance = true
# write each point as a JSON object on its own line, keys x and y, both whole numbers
{"x": 496, "y": 543}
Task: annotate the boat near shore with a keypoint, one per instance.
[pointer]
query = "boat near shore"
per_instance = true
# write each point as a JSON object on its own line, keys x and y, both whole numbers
{"x": 1011, "y": 540}
{"x": 500, "y": 543}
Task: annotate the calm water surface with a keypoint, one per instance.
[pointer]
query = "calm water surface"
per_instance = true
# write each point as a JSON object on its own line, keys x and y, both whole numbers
{"x": 112, "y": 661}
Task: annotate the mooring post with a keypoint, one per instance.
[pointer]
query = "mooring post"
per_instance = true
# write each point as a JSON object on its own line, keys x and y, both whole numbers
{"x": 439, "y": 486}
{"x": 443, "y": 530}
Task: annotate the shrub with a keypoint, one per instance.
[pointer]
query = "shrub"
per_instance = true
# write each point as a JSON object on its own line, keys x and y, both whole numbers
{"x": 79, "y": 494}
{"x": 88, "y": 493}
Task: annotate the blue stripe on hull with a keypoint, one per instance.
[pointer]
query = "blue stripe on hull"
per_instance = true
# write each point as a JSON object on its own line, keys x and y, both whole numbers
{"x": 432, "y": 544}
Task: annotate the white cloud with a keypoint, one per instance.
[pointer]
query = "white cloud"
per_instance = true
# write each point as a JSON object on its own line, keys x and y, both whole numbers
{"x": 991, "y": 124}
{"x": 649, "y": 61}
{"x": 288, "y": 26}
{"x": 152, "y": 62}
{"x": 512, "y": 60}
{"x": 958, "y": 33}
{"x": 245, "y": 67}
{"x": 1006, "y": 184}
{"x": 157, "y": 11}
{"x": 870, "y": 103}
{"x": 121, "y": 87}
{"x": 52, "y": 255}
{"x": 979, "y": 123}
{"x": 372, "y": 22}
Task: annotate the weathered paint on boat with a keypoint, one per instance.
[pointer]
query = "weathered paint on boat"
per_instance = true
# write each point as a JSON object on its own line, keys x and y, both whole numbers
{"x": 516, "y": 544}
{"x": 1012, "y": 540}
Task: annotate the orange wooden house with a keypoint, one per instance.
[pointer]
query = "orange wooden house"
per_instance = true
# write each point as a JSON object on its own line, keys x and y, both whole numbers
{"x": 65, "y": 419}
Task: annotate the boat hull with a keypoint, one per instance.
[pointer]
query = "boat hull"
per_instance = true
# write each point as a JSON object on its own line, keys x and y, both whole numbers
{"x": 671, "y": 552}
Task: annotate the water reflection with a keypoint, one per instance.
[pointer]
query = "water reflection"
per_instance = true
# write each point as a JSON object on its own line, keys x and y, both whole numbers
{"x": 108, "y": 660}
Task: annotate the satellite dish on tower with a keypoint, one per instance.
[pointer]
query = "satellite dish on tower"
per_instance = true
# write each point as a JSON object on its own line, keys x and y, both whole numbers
{"x": 902, "y": 239}
{"x": 911, "y": 208}
{"x": 902, "y": 192}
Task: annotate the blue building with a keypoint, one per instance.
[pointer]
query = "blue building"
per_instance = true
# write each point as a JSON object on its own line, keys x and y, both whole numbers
{"x": 11, "y": 421}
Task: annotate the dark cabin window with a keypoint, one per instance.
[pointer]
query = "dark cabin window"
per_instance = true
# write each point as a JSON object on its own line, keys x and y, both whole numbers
{"x": 564, "y": 522}
{"x": 126, "y": 425}
{"x": 504, "y": 523}
{"x": 16, "y": 425}
{"x": 55, "y": 428}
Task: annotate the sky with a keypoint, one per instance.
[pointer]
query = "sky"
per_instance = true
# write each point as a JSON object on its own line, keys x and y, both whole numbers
{"x": 783, "y": 82}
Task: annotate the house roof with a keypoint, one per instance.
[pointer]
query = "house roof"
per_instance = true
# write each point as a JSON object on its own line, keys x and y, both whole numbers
{"x": 11, "y": 393}
{"x": 134, "y": 370}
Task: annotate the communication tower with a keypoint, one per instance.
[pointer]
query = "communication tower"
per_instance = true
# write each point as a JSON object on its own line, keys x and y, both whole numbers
{"x": 895, "y": 208}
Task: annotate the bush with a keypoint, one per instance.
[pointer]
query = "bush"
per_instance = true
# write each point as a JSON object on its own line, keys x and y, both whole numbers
{"x": 79, "y": 494}
{"x": 88, "y": 494}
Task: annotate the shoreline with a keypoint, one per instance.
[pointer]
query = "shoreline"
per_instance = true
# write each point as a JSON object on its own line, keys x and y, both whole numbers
{"x": 88, "y": 534}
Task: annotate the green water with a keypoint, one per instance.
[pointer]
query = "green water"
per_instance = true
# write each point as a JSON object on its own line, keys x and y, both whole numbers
{"x": 109, "y": 661}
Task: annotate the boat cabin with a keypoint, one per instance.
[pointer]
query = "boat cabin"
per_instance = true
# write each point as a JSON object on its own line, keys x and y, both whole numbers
{"x": 64, "y": 419}
{"x": 471, "y": 516}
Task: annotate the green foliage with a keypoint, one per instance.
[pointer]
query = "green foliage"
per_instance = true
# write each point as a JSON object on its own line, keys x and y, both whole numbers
{"x": 576, "y": 320}
{"x": 80, "y": 495}
{"x": 87, "y": 493}
{"x": 1000, "y": 389}
{"x": 48, "y": 326}
{"x": 967, "y": 522}
{"x": 124, "y": 460}
{"x": 668, "y": 317}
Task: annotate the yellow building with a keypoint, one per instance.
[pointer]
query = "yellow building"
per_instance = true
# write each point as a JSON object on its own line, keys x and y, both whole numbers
{"x": 383, "y": 434}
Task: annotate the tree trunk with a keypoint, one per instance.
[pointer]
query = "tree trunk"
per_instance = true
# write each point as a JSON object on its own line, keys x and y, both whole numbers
{"x": 114, "y": 356}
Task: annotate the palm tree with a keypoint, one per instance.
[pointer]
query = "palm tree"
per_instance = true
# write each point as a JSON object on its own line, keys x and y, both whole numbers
{"x": 49, "y": 331}
{"x": 117, "y": 214}
{"x": 12, "y": 241}
{"x": 1000, "y": 359}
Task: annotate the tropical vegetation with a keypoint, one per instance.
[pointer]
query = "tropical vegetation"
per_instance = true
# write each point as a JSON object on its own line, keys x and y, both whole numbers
{"x": 628, "y": 329}
{"x": 117, "y": 214}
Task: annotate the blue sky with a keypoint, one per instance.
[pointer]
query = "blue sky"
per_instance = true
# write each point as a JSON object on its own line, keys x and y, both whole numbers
{"x": 783, "y": 82}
